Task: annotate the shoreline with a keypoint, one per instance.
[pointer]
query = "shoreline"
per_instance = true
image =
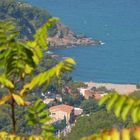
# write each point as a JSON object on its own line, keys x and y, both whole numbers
{"x": 120, "y": 88}
{"x": 65, "y": 38}
{"x": 82, "y": 42}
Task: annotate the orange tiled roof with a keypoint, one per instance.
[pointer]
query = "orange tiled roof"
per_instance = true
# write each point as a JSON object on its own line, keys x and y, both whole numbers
{"x": 97, "y": 96}
{"x": 88, "y": 94}
{"x": 65, "y": 108}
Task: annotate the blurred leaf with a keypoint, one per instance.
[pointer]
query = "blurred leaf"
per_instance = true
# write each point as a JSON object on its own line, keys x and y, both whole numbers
{"x": 5, "y": 99}
{"x": 122, "y": 106}
{"x": 18, "y": 99}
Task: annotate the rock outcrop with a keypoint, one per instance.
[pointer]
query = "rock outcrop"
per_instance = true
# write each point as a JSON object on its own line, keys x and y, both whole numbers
{"x": 66, "y": 38}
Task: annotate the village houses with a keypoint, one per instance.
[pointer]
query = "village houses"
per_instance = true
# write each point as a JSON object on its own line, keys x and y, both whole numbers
{"x": 88, "y": 93}
{"x": 61, "y": 112}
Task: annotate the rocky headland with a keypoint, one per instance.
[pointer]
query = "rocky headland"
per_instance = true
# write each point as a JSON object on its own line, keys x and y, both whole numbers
{"x": 66, "y": 38}
{"x": 29, "y": 18}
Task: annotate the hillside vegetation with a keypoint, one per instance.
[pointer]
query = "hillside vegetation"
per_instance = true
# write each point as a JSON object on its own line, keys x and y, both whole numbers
{"x": 27, "y": 17}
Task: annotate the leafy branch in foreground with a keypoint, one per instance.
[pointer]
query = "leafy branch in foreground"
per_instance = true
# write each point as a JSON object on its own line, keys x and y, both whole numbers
{"x": 38, "y": 116}
{"x": 19, "y": 59}
{"x": 114, "y": 134}
{"x": 122, "y": 106}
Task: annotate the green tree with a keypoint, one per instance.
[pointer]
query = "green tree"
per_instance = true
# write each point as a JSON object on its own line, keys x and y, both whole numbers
{"x": 89, "y": 106}
{"x": 74, "y": 85}
{"x": 91, "y": 124}
{"x": 19, "y": 59}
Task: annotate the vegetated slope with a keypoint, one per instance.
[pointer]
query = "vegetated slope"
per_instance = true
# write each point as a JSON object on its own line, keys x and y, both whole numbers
{"x": 28, "y": 18}
{"x": 94, "y": 123}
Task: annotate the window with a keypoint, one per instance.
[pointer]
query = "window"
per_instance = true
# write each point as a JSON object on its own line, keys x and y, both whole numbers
{"x": 53, "y": 113}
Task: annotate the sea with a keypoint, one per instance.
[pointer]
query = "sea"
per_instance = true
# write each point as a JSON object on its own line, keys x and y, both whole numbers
{"x": 116, "y": 23}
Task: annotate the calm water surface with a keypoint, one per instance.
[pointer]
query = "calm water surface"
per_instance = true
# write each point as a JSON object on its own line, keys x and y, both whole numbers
{"x": 115, "y": 22}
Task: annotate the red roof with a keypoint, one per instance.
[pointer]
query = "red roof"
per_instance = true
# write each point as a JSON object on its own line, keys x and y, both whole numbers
{"x": 97, "y": 96}
{"x": 65, "y": 108}
{"x": 88, "y": 94}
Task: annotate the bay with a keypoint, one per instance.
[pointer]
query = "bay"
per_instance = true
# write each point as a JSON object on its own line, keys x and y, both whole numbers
{"x": 117, "y": 23}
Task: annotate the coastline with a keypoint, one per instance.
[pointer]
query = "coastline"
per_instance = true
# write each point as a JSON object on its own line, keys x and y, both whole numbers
{"x": 65, "y": 38}
{"x": 120, "y": 88}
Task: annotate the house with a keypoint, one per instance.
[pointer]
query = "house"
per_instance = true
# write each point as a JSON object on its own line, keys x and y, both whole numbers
{"x": 78, "y": 111}
{"x": 97, "y": 95}
{"x": 49, "y": 101}
{"x": 90, "y": 94}
{"x": 58, "y": 98}
{"x": 61, "y": 112}
{"x": 82, "y": 90}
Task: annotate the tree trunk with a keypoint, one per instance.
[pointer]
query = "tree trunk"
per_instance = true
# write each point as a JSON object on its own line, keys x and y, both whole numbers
{"x": 13, "y": 117}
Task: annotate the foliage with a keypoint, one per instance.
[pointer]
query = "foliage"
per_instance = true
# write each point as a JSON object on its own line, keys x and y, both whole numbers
{"x": 138, "y": 86}
{"x": 89, "y": 106}
{"x": 135, "y": 94}
{"x": 122, "y": 105}
{"x": 37, "y": 115}
{"x": 5, "y": 123}
{"x": 101, "y": 89}
{"x": 6, "y": 136}
{"x": 73, "y": 100}
{"x": 114, "y": 134}
{"x": 28, "y": 18}
{"x": 19, "y": 59}
{"x": 89, "y": 124}
{"x": 74, "y": 85}
{"x": 60, "y": 125}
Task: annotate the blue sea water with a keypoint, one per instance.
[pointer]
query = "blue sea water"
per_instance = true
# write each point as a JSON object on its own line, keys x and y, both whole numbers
{"x": 115, "y": 22}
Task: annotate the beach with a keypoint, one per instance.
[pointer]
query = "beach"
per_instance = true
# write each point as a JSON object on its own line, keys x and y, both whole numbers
{"x": 120, "y": 88}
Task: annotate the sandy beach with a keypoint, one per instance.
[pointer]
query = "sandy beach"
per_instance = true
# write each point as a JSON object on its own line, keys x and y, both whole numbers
{"x": 120, "y": 88}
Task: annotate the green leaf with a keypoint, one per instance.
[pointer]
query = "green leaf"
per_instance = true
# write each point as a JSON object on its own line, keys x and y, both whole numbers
{"x": 103, "y": 99}
{"x": 118, "y": 105}
{"x": 44, "y": 120}
{"x": 31, "y": 122}
{"x": 126, "y": 108}
{"x": 36, "y": 104}
{"x": 40, "y": 108}
{"x": 18, "y": 99}
{"x": 28, "y": 69}
{"x": 43, "y": 113}
{"x": 47, "y": 127}
{"x": 46, "y": 76}
{"x": 134, "y": 113}
{"x": 111, "y": 101}
{"x": 4, "y": 81}
{"x": 5, "y": 99}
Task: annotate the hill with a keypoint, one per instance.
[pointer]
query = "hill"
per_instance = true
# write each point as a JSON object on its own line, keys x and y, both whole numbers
{"x": 28, "y": 18}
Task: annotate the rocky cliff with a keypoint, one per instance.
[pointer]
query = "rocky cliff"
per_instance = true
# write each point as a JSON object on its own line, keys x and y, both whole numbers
{"x": 66, "y": 38}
